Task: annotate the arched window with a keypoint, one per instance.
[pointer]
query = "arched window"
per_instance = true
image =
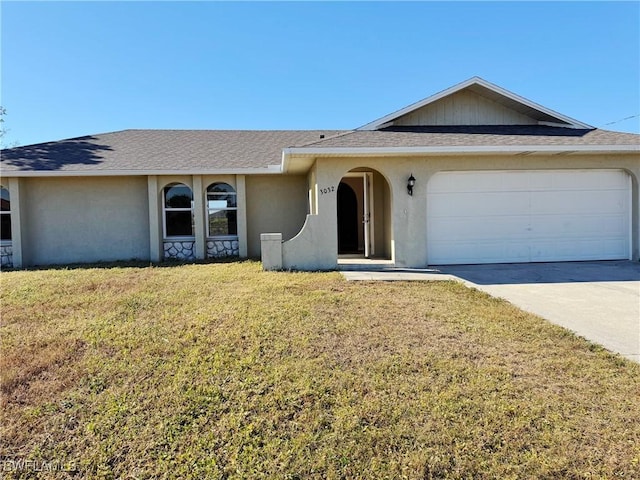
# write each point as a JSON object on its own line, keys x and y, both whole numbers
{"x": 178, "y": 211}
{"x": 222, "y": 211}
{"x": 5, "y": 215}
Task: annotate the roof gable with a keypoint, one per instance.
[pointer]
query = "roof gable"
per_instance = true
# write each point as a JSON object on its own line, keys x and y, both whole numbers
{"x": 474, "y": 102}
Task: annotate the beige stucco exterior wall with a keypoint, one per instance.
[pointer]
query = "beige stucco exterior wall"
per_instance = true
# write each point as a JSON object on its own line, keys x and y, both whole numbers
{"x": 89, "y": 219}
{"x": 92, "y": 219}
{"x": 318, "y": 240}
{"x": 71, "y": 220}
{"x": 275, "y": 204}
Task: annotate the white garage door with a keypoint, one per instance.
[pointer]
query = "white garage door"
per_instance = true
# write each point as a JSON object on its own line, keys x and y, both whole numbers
{"x": 528, "y": 216}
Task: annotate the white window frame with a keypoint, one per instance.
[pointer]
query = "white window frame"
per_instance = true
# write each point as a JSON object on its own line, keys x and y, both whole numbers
{"x": 207, "y": 210}
{"x": 166, "y": 209}
{"x": 7, "y": 212}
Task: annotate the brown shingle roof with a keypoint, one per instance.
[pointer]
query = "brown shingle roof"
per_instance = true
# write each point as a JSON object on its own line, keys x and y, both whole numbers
{"x": 159, "y": 150}
{"x": 471, "y": 136}
{"x": 140, "y": 151}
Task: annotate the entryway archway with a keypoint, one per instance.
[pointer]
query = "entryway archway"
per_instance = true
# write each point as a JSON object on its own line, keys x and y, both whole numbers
{"x": 363, "y": 215}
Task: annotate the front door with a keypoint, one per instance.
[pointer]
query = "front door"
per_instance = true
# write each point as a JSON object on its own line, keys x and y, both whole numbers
{"x": 347, "y": 219}
{"x": 354, "y": 219}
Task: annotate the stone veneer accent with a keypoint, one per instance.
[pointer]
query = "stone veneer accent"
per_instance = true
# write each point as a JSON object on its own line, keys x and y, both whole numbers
{"x": 179, "y": 250}
{"x": 222, "y": 248}
{"x": 6, "y": 256}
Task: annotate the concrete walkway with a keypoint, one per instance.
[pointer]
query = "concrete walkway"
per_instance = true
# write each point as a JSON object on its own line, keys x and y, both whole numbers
{"x": 598, "y": 300}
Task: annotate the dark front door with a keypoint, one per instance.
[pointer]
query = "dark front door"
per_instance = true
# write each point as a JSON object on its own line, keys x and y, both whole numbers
{"x": 347, "y": 219}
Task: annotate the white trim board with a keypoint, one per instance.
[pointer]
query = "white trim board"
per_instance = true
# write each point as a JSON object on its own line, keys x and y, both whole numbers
{"x": 270, "y": 170}
{"x": 456, "y": 149}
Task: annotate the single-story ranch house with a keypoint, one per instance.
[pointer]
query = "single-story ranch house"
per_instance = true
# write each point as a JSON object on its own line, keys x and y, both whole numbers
{"x": 473, "y": 174}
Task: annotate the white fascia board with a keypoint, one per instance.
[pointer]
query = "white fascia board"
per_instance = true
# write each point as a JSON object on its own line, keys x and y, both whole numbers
{"x": 376, "y": 124}
{"x": 356, "y": 151}
{"x": 573, "y": 123}
{"x": 270, "y": 170}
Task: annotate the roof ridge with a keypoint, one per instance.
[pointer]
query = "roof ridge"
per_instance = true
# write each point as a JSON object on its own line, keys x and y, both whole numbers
{"x": 282, "y": 130}
{"x": 178, "y": 130}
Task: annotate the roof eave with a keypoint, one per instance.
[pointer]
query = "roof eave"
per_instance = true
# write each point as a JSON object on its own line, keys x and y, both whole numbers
{"x": 269, "y": 170}
{"x": 430, "y": 150}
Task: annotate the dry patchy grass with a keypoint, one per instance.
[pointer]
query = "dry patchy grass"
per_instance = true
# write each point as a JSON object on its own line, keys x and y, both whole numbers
{"x": 224, "y": 371}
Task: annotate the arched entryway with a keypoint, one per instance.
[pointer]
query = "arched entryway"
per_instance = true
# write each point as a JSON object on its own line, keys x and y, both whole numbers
{"x": 364, "y": 215}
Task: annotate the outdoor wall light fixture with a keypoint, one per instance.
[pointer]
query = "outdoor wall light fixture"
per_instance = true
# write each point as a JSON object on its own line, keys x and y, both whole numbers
{"x": 410, "y": 183}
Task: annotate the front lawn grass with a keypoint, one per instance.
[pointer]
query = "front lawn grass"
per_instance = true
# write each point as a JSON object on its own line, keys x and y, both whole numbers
{"x": 225, "y": 371}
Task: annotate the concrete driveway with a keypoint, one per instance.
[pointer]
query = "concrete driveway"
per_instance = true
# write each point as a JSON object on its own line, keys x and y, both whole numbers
{"x": 598, "y": 300}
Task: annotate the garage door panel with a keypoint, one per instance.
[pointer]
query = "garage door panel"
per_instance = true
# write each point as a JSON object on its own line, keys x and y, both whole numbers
{"x": 593, "y": 180}
{"x": 576, "y": 226}
{"x": 444, "y": 229}
{"x": 588, "y": 249}
{"x": 472, "y": 204}
{"x": 483, "y": 181}
{"x": 566, "y": 180}
{"x": 614, "y": 248}
{"x": 522, "y": 216}
{"x": 468, "y": 252}
{"x": 503, "y": 182}
{"x": 559, "y": 250}
{"x": 551, "y": 203}
{"x": 515, "y": 251}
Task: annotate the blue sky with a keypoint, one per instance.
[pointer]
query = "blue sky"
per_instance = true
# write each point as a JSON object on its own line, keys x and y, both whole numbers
{"x": 79, "y": 68}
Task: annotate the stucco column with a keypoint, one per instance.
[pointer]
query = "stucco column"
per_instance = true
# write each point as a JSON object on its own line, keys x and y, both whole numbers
{"x": 155, "y": 230}
{"x": 414, "y": 212}
{"x": 271, "y": 251}
{"x": 313, "y": 190}
{"x": 241, "y": 196}
{"x": 199, "y": 217}
{"x": 16, "y": 221}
